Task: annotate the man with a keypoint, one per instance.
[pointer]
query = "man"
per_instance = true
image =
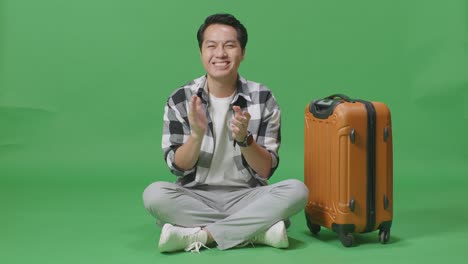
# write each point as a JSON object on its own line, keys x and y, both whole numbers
{"x": 221, "y": 137}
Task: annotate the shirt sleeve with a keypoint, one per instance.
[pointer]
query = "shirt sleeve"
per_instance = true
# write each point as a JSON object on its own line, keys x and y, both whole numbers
{"x": 176, "y": 130}
{"x": 269, "y": 135}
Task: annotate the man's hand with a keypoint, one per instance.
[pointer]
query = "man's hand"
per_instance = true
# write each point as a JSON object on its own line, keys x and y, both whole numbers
{"x": 239, "y": 124}
{"x": 197, "y": 117}
{"x": 258, "y": 158}
{"x": 186, "y": 156}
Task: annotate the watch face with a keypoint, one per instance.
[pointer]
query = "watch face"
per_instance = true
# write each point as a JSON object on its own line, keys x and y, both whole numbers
{"x": 249, "y": 139}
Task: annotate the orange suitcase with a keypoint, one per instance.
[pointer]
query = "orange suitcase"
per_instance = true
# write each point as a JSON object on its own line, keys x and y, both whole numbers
{"x": 348, "y": 167}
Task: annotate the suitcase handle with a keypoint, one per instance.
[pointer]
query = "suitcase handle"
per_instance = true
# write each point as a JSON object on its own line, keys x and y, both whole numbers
{"x": 341, "y": 96}
{"x": 323, "y": 108}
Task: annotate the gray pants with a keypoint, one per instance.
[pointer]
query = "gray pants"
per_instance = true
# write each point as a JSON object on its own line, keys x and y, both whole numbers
{"x": 231, "y": 215}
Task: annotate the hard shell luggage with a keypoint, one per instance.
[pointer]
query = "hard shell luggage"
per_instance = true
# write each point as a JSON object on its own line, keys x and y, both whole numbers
{"x": 348, "y": 161}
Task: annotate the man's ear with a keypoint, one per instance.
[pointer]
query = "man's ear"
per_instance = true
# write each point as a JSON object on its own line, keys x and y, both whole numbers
{"x": 243, "y": 53}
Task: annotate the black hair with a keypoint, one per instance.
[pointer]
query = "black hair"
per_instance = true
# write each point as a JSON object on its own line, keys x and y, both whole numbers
{"x": 224, "y": 19}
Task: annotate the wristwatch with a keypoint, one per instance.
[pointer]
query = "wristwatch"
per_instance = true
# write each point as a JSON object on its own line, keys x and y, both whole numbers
{"x": 247, "y": 140}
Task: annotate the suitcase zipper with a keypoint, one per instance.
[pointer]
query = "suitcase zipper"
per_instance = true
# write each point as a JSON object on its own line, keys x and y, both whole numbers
{"x": 371, "y": 165}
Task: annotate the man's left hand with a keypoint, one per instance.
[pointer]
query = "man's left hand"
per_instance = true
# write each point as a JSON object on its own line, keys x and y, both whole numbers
{"x": 239, "y": 124}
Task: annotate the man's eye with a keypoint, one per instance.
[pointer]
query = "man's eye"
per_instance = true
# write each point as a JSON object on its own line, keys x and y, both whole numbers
{"x": 230, "y": 46}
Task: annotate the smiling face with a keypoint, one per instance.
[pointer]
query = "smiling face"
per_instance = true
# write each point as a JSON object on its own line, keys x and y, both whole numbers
{"x": 221, "y": 52}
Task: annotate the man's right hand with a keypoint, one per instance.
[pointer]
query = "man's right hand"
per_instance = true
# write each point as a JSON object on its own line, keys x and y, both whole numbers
{"x": 197, "y": 118}
{"x": 186, "y": 156}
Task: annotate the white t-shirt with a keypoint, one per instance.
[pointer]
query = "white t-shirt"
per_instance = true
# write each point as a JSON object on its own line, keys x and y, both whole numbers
{"x": 223, "y": 171}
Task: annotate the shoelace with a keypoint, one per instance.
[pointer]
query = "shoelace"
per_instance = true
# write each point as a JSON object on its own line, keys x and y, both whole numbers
{"x": 246, "y": 243}
{"x": 195, "y": 247}
{"x": 251, "y": 241}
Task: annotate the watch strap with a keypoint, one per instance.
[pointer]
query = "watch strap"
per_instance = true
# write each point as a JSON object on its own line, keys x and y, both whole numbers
{"x": 245, "y": 142}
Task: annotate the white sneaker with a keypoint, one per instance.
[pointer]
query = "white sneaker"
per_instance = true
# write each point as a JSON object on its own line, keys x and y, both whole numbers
{"x": 275, "y": 236}
{"x": 174, "y": 238}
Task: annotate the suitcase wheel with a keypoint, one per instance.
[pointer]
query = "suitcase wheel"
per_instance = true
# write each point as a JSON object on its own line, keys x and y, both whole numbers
{"x": 347, "y": 239}
{"x": 314, "y": 228}
{"x": 384, "y": 236}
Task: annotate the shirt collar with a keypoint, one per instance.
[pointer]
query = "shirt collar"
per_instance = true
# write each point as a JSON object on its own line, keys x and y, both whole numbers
{"x": 241, "y": 92}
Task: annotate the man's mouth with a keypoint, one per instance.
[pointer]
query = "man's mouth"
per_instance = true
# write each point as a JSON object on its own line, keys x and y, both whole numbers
{"x": 221, "y": 64}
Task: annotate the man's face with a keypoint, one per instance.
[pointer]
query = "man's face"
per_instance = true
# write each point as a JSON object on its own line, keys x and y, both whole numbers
{"x": 221, "y": 52}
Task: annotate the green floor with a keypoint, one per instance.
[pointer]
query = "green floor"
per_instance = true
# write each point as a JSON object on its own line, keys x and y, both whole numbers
{"x": 75, "y": 216}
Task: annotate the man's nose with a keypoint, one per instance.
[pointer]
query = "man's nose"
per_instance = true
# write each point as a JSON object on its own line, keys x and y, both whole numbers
{"x": 220, "y": 52}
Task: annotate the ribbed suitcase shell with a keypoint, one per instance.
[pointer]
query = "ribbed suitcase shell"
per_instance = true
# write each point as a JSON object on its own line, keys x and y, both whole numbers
{"x": 336, "y": 170}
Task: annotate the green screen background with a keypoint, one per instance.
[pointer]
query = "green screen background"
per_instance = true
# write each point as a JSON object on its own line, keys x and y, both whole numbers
{"x": 83, "y": 86}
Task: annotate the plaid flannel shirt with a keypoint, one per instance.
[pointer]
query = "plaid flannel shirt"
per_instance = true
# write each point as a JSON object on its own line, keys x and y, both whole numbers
{"x": 264, "y": 125}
